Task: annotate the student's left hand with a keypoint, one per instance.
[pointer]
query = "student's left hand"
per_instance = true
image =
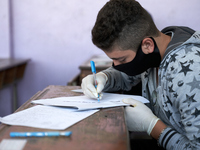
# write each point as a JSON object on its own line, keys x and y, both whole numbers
{"x": 139, "y": 117}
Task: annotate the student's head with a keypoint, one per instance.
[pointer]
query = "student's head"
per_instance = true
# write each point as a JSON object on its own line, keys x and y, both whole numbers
{"x": 122, "y": 24}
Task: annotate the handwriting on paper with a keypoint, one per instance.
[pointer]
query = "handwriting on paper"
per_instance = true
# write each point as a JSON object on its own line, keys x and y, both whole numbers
{"x": 47, "y": 117}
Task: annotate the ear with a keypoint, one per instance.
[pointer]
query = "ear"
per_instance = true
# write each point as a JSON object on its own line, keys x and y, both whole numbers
{"x": 147, "y": 45}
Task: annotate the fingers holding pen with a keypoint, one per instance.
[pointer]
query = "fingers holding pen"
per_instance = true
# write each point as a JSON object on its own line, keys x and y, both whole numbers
{"x": 89, "y": 87}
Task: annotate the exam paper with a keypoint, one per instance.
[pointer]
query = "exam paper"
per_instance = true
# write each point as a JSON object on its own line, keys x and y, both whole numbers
{"x": 12, "y": 144}
{"x": 78, "y": 90}
{"x": 85, "y": 103}
{"x": 47, "y": 117}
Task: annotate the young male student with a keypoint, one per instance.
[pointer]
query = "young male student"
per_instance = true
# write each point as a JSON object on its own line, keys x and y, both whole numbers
{"x": 168, "y": 64}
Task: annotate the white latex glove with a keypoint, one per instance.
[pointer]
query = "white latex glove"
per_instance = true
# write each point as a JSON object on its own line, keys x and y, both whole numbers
{"x": 139, "y": 117}
{"x": 88, "y": 85}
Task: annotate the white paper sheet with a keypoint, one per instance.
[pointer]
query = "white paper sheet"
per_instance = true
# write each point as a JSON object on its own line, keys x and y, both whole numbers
{"x": 12, "y": 144}
{"x": 78, "y": 90}
{"x": 47, "y": 117}
{"x": 84, "y": 103}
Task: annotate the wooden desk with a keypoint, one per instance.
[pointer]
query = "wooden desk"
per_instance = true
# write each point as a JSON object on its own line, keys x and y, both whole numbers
{"x": 11, "y": 71}
{"x": 104, "y": 130}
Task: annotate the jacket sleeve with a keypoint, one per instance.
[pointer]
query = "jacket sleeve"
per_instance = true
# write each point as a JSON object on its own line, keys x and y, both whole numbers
{"x": 119, "y": 81}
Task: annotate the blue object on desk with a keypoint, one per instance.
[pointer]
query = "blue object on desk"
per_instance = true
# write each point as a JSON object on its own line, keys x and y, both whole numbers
{"x": 94, "y": 74}
{"x": 39, "y": 134}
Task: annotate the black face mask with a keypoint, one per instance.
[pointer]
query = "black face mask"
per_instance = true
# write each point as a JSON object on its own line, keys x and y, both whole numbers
{"x": 141, "y": 62}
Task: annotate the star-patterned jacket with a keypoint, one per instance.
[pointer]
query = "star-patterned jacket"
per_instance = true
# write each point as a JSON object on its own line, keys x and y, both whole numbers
{"x": 176, "y": 97}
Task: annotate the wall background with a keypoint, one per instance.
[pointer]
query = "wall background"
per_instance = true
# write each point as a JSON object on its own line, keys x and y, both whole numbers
{"x": 56, "y": 36}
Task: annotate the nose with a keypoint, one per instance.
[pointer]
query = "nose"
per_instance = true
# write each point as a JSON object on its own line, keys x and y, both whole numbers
{"x": 116, "y": 62}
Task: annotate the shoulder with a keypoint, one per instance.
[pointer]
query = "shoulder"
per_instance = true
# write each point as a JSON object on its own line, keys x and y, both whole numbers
{"x": 181, "y": 56}
{"x": 179, "y": 71}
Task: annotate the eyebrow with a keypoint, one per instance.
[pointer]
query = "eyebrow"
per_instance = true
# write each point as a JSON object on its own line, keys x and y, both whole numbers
{"x": 118, "y": 58}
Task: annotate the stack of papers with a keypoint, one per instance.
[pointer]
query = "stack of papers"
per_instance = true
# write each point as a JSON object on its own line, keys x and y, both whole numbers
{"x": 47, "y": 116}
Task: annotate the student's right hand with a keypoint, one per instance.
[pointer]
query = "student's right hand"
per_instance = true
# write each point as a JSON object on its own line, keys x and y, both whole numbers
{"x": 88, "y": 85}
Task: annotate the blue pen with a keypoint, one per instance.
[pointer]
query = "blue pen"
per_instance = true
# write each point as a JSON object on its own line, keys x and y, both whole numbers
{"x": 39, "y": 134}
{"x": 94, "y": 74}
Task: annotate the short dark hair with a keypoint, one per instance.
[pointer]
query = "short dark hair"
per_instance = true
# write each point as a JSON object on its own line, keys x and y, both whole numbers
{"x": 122, "y": 23}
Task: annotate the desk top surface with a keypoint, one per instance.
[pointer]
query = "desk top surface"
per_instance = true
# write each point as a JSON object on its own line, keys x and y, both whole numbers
{"x": 6, "y": 63}
{"x": 104, "y": 130}
{"x": 101, "y": 62}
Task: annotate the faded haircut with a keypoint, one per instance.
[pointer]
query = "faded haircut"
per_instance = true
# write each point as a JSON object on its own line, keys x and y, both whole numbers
{"x": 123, "y": 24}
